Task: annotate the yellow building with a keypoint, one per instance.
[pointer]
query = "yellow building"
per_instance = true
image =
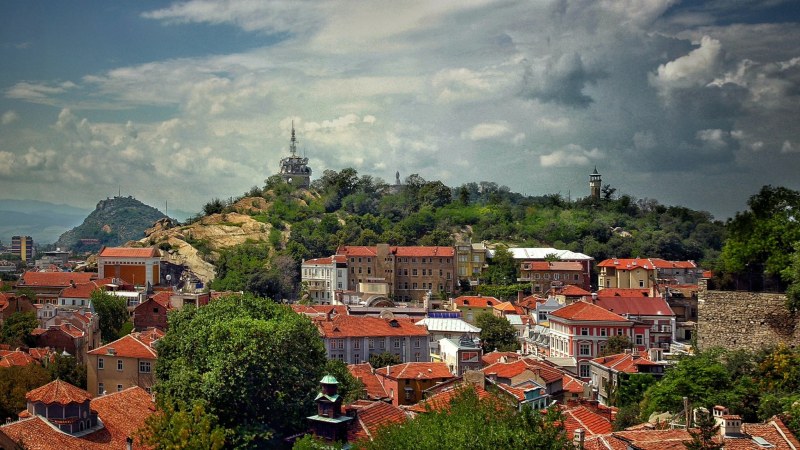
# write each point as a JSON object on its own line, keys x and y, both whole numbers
{"x": 470, "y": 261}
{"x": 128, "y": 361}
{"x": 473, "y": 305}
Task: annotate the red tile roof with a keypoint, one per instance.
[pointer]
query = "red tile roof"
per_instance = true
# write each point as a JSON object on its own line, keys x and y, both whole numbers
{"x": 572, "y": 384}
{"x": 372, "y": 417}
{"x": 625, "y": 362}
{"x": 128, "y": 346}
{"x": 372, "y": 383}
{"x": 162, "y": 298}
{"x": 84, "y": 290}
{"x": 582, "y": 417}
{"x": 15, "y": 358}
{"x": 571, "y": 290}
{"x": 585, "y": 311}
{"x": 416, "y": 371}
{"x": 493, "y": 357}
{"x": 342, "y": 326}
{"x": 506, "y": 307}
{"x": 122, "y": 414}
{"x": 553, "y": 266}
{"x": 515, "y": 368}
{"x": 149, "y": 335}
{"x": 128, "y": 252}
{"x": 62, "y": 279}
{"x": 623, "y": 292}
{"x": 442, "y": 400}
{"x": 476, "y": 301}
{"x": 320, "y": 310}
{"x": 635, "y": 306}
{"x": 319, "y": 261}
{"x": 58, "y": 391}
{"x": 646, "y": 263}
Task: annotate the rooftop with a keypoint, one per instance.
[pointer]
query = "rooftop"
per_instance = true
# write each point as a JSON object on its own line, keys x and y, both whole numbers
{"x": 58, "y": 391}
{"x": 128, "y": 346}
{"x": 55, "y": 279}
{"x": 342, "y": 326}
{"x": 585, "y": 311}
{"x": 448, "y": 325}
{"x": 129, "y": 252}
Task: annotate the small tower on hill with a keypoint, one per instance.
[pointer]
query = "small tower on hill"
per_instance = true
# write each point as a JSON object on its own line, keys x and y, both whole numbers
{"x": 594, "y": 184}
{"x": 294, "y": 169}
{"x": 329, "y": 423}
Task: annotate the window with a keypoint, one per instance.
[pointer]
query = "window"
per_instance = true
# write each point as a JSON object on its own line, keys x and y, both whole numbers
{"x": 547, "y": 276}
{"x": 381, "y": 344}
{"x": 144, "y": 366}
{"x": 340, "y": 344}
{"x": 414, "y": 285}
{"x": 119, "y": 388}
{"x": 584, "y": 331}
{"x": 542, "y": 315}
{"x": 357, "y": 344}
{"x": 413, "y": 272}
{"x": 100, "y": 389}
{"x": 641, "y": 283}
{"x": 603, "y": 332}
{"x": 416, "y": 343}
{"x": 576, "y": 277}
{"x": 536, "y": 276}
{"x": 101, "y": 363}
{"x": 556, "y": 276}
{"x": 396, "y": 343}
{"x": 639, "y": 339}
{"x": 585, "y": 350}
{"x": 371, "y": 344}
{"x": 357, "y": 358}
{"x": 417, "y": 357}
{"x": 585, "y": 372}
{"x": 620, "y": 331}
{"x": 119, "y": 364}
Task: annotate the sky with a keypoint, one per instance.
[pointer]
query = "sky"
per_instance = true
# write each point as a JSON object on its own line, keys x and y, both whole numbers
{"x": 690, "y": 103}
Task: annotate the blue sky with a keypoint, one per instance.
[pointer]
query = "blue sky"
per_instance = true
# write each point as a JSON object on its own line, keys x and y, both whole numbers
{"x": 690, "y": 103}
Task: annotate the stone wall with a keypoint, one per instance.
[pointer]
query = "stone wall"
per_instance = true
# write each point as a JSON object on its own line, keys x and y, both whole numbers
{"x": 744, "y": 320}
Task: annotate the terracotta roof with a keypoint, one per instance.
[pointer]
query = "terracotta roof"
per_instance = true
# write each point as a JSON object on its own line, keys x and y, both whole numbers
{"x": 372, "y": 417}
{"x": 623, "y": 292}
{"x": 128, "y": 252}
{"x": 505, "y": 307}
{"x": 15, "y": 358}
{"x": 582, "y": 417}
{"x": 415, "y": 371}
{"x": 655, "y": 306}
{"x": 342, "y": 326}
{"x": 515, "y": 368}
{"x": 585, "y": 311}
{"x": 651, "y": 439}
{"x": 62, "y": 327}
{"x": 571, "y": 290}
{"x": 122, "y": 414}
{"x": 493, "y": 357}
{"x": 128, "y": 346}
{"x": 319, "y": 261}
{"x": 162, "y": 298}
{"x": 149, "y": 336}
{"x": 314, "y": 310}
{"x": 531, "y": 301}
{"x": 476, "y": 301}
{"x": 553, "y": 266}
{"x": 62, "y": 279}
{"x": 625, "y": 362}
{"x": 58, "y": 391}
{"x": 646, "y": 263}
{"x": 572, "y": 384}
{"x": 442, "y": 400}
{"x": 372, "y": 383}
{"x": 84, "y": 290}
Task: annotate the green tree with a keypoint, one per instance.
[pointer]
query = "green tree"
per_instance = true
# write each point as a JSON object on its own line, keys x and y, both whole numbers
{"x": 616, "y": 345}
{"x": 473, "y": 423}
{"x": 181, "y": 427}
{"x": 15, "y": 381}
{"x": 256, "y": 365}
{"x": 69, "y": 369}
{"x": 112, "y": 312}
{"x": 350, "y": 387}
{"x": 497, "y": 333}
{"x": 703, "y": 436}
{"x": 502, "y": 268}
{"x": 378, "y": 360}
{"x": 17, "y": 329}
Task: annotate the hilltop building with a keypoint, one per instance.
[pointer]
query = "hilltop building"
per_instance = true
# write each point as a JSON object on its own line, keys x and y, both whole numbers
{"x": 294, "y": 169}
{"x": 138, "y": 265}
{"x": 594, "y": 184}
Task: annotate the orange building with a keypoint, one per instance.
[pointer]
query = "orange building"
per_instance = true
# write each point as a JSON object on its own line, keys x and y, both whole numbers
{"x": 136, "y": 265}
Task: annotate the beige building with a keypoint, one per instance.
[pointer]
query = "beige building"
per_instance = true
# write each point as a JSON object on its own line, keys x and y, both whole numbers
{"x": 128, "y": 361}
{"x": 645, "y": 273}
{"x": 470, "y": 261}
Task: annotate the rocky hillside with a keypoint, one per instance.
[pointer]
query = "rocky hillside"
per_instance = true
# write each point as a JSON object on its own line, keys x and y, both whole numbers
{"x": 113, "y": 222}
{"x": 198, "y": 244}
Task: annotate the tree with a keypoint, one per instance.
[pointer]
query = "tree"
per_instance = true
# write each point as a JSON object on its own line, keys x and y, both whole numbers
{"x": 182, "y": 427}
{"x": 497, "y": 333}
{"x": 617, "y": 344}
{"x": 256, "y": 365}
{"x": 17, "y": 329}
{"x": 15, "y": 381}
{"x": 350, "y": 387}
{"x": 703, "y": 436}
{"x": 792, "y": 274}
{"x": 503, "y": 267}
{"x": 474, "y": 423}
{"x": 608, "y": 191}
{"x": 67, "y": 368}
{"x": 378, "y": 360}
{"x": 112, "y": 312}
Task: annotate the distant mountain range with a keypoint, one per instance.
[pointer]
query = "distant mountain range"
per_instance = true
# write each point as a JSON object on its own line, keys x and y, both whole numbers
{"x": 41, "y": 220}
{"x": 114, "y": 221}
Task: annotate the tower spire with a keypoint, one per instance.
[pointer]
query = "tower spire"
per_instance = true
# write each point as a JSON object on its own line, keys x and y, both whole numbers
{"x": 293, "y": 143}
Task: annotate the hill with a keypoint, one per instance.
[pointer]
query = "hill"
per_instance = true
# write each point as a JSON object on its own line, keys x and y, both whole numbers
{"x": 113, "y": 222}
{"x": 41, "y": 220}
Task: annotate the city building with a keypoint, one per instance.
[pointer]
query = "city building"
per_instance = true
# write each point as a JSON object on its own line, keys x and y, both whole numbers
{"x": 329, "y": 423}
{"x": 549, "y": 254}
{"x": 48, "y": 285}
{"x": 546, "y": 275}
{"x": 11, "y": 303}
{"x": 61, "y": 416}
{"x": 460, "y": 354}
{"x": 294, "y": 168}
{"x": 651, "y": 311}
{"x": 471, "y": 306}
{"x": 447, "y": 328}
{"x": 128, "y": 361}
{"x": 645, "y": 273}
{"x": 607, "y": 372}
{"x": 406, "y": 382}
{"x": 470, "y": 262}
{"x": 322, "y": 277}
{"x": 353, "y": 339}
{"x": 581, "y": 330}
{"x": 139, "y": 266}
{"x": 22, "y": 246}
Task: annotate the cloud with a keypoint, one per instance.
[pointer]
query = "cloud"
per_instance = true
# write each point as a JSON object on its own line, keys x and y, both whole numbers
{"x": 570, "y": 155}
{"x": 699, "y": 68}
{"x": 789, "y": 147}
{"x": 490, "y": 130}
{"x": 6, "y": 162}
{"x": 9, "y": 117}
{"x": 38, "y": 92}
{"x": 561, "y": 80}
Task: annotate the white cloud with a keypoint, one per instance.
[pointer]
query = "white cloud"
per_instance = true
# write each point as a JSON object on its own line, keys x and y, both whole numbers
{"x": 9, "y": 117}
{"x": 570, "y": 155}
{"x": 789, "y": 147}
{"x": 697, "y": 69}
{"x": 38, "y": 92}
{"x": 6, "y": 162}
{"x": 488, "y": 130}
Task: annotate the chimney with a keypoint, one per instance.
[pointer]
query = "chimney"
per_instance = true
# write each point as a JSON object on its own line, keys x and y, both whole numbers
{"x": 519, "y": 296}
{"x": 594, "y": 297}
{"x": 578, "y": 438}
{"x": 128, "y": 443}
{"x": 72, "y": 283}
